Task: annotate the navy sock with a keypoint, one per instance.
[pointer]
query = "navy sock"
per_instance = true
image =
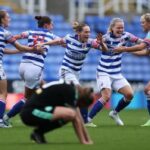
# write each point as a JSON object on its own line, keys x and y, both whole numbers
{"x": 121, "y": 105}
{"x": 84, "y": 113}
{"x": 95, "y": 109}
{"x": 148, "y": 103}
{"x": 2, "y": 108}
{"x": 16, "y": 108}
{"x": 148, "y": 106}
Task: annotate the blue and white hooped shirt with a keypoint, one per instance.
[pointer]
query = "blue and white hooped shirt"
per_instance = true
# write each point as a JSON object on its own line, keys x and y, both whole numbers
{"x": 147, "y": 40}
{"x": 110, "y": 63}
{"x": 5, "y": 37}
{"x": 75, "y": 52}
{"x": 37, "y": 36}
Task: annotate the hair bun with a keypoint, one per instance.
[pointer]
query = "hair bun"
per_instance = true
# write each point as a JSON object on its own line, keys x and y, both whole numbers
{"x": 38, "y": 17}
{"x": 75, "y": 24}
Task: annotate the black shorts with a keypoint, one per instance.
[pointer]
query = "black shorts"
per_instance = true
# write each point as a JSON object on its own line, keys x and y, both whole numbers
{"x": 31, "y": 120}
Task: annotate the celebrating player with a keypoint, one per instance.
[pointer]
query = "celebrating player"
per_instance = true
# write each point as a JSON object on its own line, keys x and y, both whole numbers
{"x": 31, "y": 67}
{"x": 6, "y": 37}
{"x": 140, "y": 50}
{"x": 109, "y": 75}
{"x": 77, "y": 47}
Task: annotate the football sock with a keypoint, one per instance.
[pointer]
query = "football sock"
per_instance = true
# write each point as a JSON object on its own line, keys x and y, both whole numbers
{"x": 96, "y": 108}
{"x": 121, "y": 105}
{"x": 84, "y": 114}
{"x": 16, "y": 108}
{"x": 2, "y": 108}
{"x": 148, "y": 103}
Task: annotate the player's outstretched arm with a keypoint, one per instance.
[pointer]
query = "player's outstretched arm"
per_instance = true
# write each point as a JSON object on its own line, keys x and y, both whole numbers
{"x": 19, "y": 36}
{"x": 24, "y": 48}
{"x": 145, "y": 52}
{"x": 58, "y": 41}
{"x": 9, "y": 51}
{"x": 135, "y": 48}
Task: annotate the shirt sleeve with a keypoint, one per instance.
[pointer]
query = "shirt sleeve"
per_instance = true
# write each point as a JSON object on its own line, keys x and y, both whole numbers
{"x": 147, "y": 40}
{"x": 133, "y": 38}
{"x": 55, "y": 37}
{"x": 95, "y": 44}
{"x": 9, "y": 37}
{"x": 64, "y": 39}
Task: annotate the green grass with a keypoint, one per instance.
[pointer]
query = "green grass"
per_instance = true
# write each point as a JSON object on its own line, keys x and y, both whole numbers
{"x": 107, "y": 136}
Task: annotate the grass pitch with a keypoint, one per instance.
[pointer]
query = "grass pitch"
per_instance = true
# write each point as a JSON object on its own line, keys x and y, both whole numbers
{"x": 107, "y": 136}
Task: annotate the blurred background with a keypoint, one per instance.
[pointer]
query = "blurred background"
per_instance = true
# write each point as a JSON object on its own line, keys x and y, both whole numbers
{"x": 97, "y": 14}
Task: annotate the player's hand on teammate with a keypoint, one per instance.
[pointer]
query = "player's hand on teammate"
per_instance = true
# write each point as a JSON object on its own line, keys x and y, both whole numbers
{"x": 39, "y": 48}
{"x": 64, "y": 45}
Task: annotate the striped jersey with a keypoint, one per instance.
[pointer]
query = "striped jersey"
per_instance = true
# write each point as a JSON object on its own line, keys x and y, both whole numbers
{"x": 5, "y": 37}
{"x": 147, "y": 40}
{"x": 75, "y": 52}
{"x": 110, "y": 63}
{"x": 37, "y": 36}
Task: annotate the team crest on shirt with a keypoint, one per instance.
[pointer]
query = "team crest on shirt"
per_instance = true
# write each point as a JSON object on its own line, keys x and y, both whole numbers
{"x": 84, "y": 45}
{"x": 122, "y": 41}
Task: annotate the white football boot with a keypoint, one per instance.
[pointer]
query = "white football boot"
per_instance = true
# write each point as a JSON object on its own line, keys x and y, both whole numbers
{"x": 114, "y": 115}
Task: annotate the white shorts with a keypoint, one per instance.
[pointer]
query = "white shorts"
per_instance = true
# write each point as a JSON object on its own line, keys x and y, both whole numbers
{"x": 2, "y": 73}
{"x": 69, "y": 76}
{"x": 31, "y": 74}
{"x": 106, "y": 81}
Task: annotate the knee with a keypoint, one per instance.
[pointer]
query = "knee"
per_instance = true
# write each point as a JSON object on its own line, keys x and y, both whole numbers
{"x": 129, "y": 96}
{"x": 106, "y": 98}
{"x": 3, "y": 96}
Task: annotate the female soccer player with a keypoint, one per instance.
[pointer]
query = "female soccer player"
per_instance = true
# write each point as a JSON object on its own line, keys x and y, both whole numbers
{"x": 54, "y": 105}
{"x": 77, "y": 47}
{"x": 142, "y": 49}
{"x": 109, "y": 75}
{"x": 32, "y": 64}
{"x": 6, "y": 37}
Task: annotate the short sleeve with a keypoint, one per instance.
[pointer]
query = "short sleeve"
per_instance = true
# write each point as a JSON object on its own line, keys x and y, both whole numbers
{"x": 147, "y": 40}
{"x": 55, "y": 36}
{"x": 9, "y": 37}
{"x": 94, "y": 44}
{"x": 132, "y": 38}
{"x": 66, "y": 38}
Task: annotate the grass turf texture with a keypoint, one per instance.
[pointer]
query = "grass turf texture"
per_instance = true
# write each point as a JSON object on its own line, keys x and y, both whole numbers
{"x": 107, "y": 136}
